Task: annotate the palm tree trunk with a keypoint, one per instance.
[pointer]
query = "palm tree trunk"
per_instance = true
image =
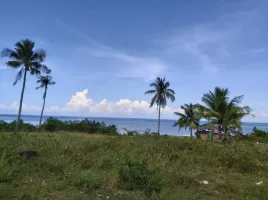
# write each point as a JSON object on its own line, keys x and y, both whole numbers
{"x": 21, "y": 100}
{"x": 191, "y": 132}
{"x": 44, "y": 102}
{"x": 158, "y": 130}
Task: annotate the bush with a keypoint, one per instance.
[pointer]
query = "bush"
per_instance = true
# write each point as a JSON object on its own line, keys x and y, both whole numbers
{"x": 53, "y": 124}
{"x": 137, "y": 176}
{"x": 86, "y": 126}
{"x": 87, "y": 179}
{"x": 10, "y": 127}
{"x": 258, "y": 135}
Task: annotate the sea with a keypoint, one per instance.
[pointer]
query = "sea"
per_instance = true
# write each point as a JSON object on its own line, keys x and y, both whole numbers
{"x": 137, "y": 124}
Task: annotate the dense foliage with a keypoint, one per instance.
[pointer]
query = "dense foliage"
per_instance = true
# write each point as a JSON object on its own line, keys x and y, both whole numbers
{"x": 10, "y": 127}
{"x": 189, "y": 118}
{"x": 218, "y": 108}
{"x": 53, "y": 124}
{"x": 258, "y": 136}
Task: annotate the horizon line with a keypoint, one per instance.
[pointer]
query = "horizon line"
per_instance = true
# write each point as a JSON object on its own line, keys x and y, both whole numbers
{"x": 110, "y": 117}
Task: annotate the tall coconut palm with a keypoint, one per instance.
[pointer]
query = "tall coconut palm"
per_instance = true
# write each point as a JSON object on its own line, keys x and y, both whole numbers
{"x": 27, "y": 59}
{"x": 44, "y": 82}
{"x": 223, "y": 111}
{"x": 189, "y": 118}
{"x": 161, "y": 92}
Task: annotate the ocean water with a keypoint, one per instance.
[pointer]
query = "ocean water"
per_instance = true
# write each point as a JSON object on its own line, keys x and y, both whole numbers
{"x": 131, "y": 123}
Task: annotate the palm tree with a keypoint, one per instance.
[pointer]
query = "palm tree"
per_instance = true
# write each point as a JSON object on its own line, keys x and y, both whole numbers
{"x": 44, "y": 81}
{"x": 25, "y": 57}
{"x": 222, "y": 111}
{"x": 189, "y": 118}
{"x": 161, "y": 92}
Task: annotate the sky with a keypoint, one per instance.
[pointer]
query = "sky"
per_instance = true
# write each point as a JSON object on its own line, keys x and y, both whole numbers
{"x": 104, "y": 54}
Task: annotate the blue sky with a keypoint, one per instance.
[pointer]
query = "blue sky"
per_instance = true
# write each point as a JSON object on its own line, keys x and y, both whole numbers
{"x": 103, "y": 54}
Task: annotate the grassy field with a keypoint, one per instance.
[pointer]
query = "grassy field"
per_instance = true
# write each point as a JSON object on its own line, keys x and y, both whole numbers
{"x": 82, "y": 166}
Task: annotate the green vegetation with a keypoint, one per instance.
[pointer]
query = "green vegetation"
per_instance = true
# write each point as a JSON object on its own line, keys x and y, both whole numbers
{"x": 161, "y": 92}
{"x": 81, "y": 166}
{"x": 53, "y": 125}
{"x": 44, "y": 82}
{"x": 189, "y": 119}
{"x": 218, "y": 109}
{"x": 226, "y": 113}
{"x": 25, "y": 57}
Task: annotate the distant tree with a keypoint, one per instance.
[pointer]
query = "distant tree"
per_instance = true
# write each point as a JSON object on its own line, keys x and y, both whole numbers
{"x": 25, "y": 57}
{"x": 44, "y": 82}
{"x": 189, "y": 118}
{"x": 161, "y": 92}
{"x": 222, "y": 111}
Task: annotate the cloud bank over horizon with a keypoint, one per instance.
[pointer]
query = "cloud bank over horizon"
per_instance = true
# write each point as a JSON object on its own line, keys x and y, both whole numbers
{"x": 80, "y": 104}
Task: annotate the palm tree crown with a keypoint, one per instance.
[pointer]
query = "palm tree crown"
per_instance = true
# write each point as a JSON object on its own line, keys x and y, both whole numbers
{"x": 161, "y": 92}
{"x": 44, "y": 81}
{"x": 26, "y": 57}
{"x": 223, "y": 111}
{"x": 189, "y": 118}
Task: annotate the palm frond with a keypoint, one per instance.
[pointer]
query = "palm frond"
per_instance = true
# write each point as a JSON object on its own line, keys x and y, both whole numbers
{"x": 18, "y": 76}
{"x": 236, "y": 100}
{"x": 153, "y": 101}
{"x": 52, "y": 83}
{"x": 179, "y": 114}
{"x": 150, "y": 92}
{"x": 14, "y": 64}
{"x": 45, "y": 81}
{"x": 6, "y": 52}
{"x": 39, "y": 56}
{"x": 171, "y": 91}
{"x": 170, "y": 96}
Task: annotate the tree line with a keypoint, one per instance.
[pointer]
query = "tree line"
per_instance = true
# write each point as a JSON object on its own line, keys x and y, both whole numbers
{"x": 218, "y": 108}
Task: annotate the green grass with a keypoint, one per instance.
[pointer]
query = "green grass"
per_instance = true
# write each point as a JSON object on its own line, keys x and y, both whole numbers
{"x": 81, "y": 166}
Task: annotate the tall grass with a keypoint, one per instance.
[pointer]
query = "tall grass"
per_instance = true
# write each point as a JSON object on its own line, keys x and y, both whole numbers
{"x": 79, "y": 166}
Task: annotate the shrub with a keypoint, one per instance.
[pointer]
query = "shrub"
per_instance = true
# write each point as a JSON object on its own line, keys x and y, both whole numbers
{"x": 52, "y": 124}
{"x": 138, "y": 176}
{"x": 9, "y": 127}
{"x": 87, "y": 179}
{"x": 239, "y": 159}
{"x": 86, "y": 126}
{"x": 258, "y": 135}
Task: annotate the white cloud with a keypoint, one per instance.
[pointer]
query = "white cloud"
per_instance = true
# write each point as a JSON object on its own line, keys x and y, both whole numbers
{"x": 82, "y": 104}
{"x": 79, "y": 101}
{"x": 15, "y": 107}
